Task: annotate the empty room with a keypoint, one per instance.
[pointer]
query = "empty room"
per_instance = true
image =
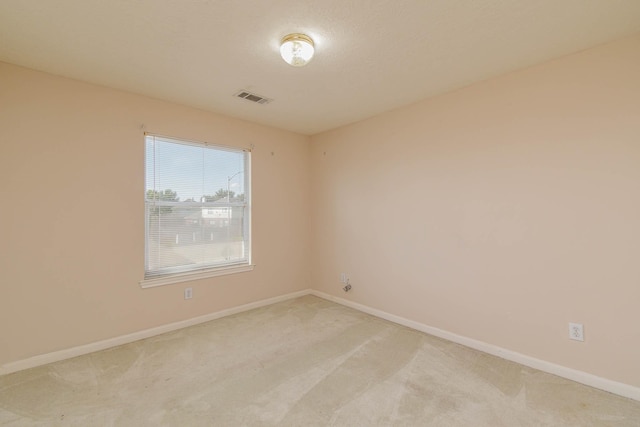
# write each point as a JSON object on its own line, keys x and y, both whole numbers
{"x": 320, "y": 213}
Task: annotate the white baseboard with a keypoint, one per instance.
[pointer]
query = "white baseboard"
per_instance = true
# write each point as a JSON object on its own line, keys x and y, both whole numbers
{"x": 591, "y": 380}
{"x": 615, "y": 387}
{"x": 56, "y": 356}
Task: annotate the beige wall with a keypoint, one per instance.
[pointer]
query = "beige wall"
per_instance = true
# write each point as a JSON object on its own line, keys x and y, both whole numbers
{"x": 72, "y": 218}
{"x": 499, "y": 212}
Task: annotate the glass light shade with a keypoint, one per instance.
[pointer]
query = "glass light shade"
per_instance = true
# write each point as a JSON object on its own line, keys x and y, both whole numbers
{"x": 297, "y": 49}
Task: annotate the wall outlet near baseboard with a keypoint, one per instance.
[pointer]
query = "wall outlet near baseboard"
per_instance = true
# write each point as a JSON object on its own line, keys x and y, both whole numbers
{"x": 188, "y": 293}
{"x": 576, "y": 331}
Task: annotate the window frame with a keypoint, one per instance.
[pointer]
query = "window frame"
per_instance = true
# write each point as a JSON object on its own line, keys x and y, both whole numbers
{"x": 169, "y": 275}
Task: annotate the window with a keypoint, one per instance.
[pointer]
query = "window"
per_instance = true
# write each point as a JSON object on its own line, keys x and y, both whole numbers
{"x": 197, "y": 210}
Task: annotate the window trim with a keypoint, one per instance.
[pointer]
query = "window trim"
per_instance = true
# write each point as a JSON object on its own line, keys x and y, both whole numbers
{"x": 169, "y": 279}
{"x": 180, "y": 274}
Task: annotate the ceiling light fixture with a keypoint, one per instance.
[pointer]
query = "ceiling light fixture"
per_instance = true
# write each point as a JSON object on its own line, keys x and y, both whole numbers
{"x": 297, "y": 49}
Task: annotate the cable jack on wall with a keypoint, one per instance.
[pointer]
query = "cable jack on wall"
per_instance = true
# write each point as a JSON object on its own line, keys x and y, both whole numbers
{"x": 347, "y": 287}
{"x": 345, "y": 279}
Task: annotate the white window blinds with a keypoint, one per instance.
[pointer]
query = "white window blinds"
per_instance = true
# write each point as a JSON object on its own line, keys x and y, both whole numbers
{"x": 197, "y": 201}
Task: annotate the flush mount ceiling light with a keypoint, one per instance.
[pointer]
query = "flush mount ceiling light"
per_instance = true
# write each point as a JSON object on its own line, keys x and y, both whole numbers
{"x": 296, "y": 49}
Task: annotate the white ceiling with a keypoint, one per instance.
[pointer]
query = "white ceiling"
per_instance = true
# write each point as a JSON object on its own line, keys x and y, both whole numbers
{"x": 371, "y": 55}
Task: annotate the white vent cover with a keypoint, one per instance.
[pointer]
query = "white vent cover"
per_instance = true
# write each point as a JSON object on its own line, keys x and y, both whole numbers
{"x": 258, "y": 99}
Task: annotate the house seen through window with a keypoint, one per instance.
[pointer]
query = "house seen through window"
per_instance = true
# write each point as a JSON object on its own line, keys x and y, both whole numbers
{"x": 197, "y": 210}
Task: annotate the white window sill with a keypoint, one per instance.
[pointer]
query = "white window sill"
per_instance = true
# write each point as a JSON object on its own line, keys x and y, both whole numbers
{"x": 196, "y": 275}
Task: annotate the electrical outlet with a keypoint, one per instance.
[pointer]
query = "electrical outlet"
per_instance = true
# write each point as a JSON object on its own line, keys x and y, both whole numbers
{"x": 576, "y": 331}
{"x": 343, "y": 277}
{"x": 188, "y": 293}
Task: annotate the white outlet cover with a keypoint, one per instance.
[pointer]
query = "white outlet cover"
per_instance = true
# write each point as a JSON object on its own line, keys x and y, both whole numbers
{"x": 576, "y": 331}
{"x": 188, "y": 293}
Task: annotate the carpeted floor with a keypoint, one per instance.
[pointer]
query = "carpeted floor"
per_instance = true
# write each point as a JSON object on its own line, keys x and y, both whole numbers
{"x": 304, "y": 362}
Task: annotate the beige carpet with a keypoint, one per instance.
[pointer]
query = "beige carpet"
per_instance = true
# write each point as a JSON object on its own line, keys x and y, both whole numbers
{"x": 304, "y": 362}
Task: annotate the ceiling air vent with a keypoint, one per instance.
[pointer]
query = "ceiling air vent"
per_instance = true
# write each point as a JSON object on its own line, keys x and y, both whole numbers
{"x": 244, "y": 94}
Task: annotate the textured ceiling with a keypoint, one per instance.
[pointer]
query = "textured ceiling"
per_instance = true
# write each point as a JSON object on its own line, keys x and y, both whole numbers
{"x": 371, "y": 55}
